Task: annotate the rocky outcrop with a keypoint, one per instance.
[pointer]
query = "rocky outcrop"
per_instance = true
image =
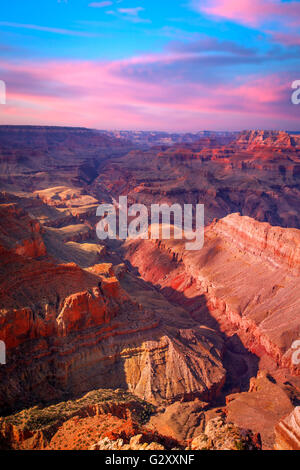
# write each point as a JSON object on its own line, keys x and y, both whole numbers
{"x": 135, "y": 443}
{"x": 278, "y": 247}
{"x": 75, "y": 424}
{"x": 260, "y": 408}
{"x": 27, "y": 312}
{"x": 20, "y": 233}
{"x": 280, "y": 139}
{"x": 220, "y": 435}
{"x": 287, "y": 432}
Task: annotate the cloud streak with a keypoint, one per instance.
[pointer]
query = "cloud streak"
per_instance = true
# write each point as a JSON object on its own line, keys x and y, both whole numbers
{"x": 46, "y": 29}
{"x": 100, "y": 4}
{"x": 131, "y": 11}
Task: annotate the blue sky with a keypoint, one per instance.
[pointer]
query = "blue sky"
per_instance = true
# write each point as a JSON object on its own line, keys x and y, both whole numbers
{"x": 151, "y": 64}
{"x": 109, "y": 32}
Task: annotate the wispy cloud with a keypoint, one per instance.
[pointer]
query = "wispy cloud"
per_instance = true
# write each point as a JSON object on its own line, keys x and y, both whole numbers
{"x": 131, "y": 11}
{"x": 132, "y": 14}
{"x": 286, "y": 39}
{"x": 47, "y": 29}
{"x": 100, "y": 4}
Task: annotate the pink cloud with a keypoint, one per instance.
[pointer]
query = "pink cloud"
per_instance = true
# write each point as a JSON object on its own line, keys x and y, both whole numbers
{"x": 251, "y": 12}
{"x": 106, "y": 97}
{"x": 286, "y": 38}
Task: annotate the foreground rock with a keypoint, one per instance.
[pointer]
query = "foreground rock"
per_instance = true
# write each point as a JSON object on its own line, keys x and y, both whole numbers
{"x": 75, "y": 424}
{"x": 181, "y": 420}
{"x": 287, "y": 432}
{"x": 260, "y": 409}
{"x": 136, "y": 443}
{"x": 219, "y": 435}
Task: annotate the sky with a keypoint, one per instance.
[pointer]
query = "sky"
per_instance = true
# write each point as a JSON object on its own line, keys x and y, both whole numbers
{"x": 170, "y": 65}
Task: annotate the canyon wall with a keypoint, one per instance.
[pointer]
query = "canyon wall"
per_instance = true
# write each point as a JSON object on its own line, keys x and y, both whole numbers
{"x": 248, "y": 273}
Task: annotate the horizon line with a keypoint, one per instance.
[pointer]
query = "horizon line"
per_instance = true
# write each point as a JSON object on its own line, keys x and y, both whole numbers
{"x": 151, "y": 130}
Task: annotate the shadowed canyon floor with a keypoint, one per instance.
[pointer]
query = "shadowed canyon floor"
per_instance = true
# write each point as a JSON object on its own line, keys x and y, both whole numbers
{"x": 144, "y": 342}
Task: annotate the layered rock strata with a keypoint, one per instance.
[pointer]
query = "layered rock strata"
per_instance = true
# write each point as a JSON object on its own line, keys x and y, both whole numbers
{"x": 246, "y": 277}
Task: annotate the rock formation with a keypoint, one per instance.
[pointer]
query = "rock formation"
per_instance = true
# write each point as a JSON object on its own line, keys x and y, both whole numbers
{"x": 219, "y": 435}
{"x": 260, "y": 408}
{"x": 75, "y": 424}
{"x": 287, "y": 432}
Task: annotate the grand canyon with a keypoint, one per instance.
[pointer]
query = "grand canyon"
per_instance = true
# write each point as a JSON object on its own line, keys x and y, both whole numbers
{"x": 140, "y": 344}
